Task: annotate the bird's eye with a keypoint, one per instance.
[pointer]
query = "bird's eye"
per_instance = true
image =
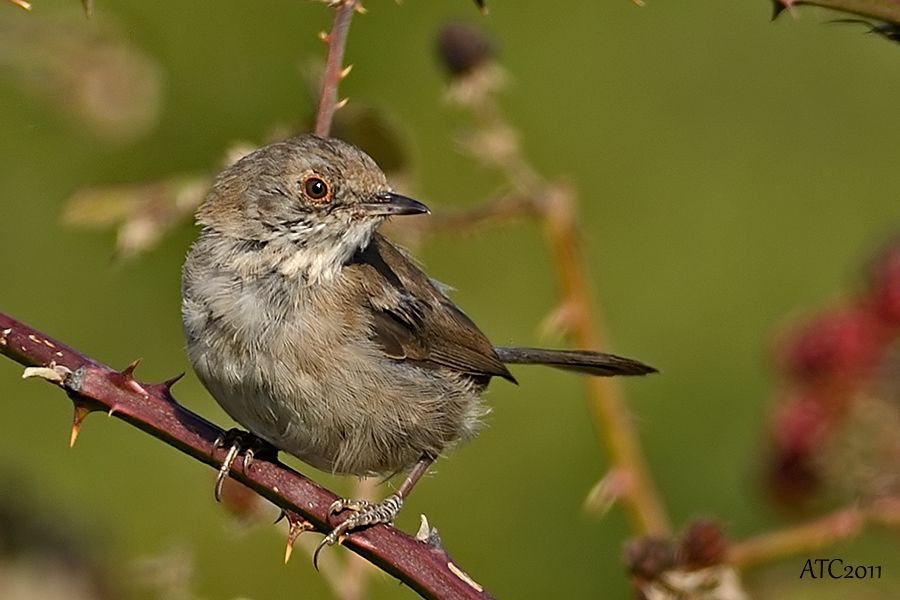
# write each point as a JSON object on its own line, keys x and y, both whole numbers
{"x": 316, "y": 188}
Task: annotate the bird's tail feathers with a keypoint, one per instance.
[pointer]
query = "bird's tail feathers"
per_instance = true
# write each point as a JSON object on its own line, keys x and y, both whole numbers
{"x": 582, "y": 361}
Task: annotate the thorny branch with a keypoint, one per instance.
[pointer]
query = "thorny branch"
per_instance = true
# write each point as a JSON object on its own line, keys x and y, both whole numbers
{"x": 334, "y": 64}
{"x": 422, "y": 565}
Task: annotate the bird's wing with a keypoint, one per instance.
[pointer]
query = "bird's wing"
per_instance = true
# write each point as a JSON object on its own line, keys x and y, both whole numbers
{"x": 413, "y": 320}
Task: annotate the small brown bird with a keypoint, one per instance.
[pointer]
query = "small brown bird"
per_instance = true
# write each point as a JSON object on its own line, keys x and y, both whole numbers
{"x": 324, "y": 339}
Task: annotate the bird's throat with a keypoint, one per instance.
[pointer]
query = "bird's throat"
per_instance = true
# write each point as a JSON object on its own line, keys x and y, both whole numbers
{"x": 321, "y": 260}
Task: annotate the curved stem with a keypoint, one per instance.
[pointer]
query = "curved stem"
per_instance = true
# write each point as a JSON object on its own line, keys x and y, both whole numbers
{"x": 607, "y": 404}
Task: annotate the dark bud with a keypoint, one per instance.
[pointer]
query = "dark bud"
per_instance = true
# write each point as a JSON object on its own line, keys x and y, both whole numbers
{"x": 462, "y": 48}
{"x": 702, "y": 545}
{"x": 649, "y": 557}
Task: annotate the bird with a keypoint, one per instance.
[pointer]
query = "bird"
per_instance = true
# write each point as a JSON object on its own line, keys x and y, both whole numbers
{"x": 327, "y": 341}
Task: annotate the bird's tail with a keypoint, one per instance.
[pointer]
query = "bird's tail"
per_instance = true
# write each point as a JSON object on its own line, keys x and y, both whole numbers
{"x": 582, "y": 361}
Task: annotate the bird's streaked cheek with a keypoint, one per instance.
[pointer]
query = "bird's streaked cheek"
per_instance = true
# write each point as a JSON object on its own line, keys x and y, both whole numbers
{"x": 357, "y": 214}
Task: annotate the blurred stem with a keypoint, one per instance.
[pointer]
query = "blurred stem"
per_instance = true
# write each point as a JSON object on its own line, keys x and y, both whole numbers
{"x": 496, "y": 142}
{"x": 334, "y": 65}
{"x": 607, "y": 403}
{"x": 809, "y": 537}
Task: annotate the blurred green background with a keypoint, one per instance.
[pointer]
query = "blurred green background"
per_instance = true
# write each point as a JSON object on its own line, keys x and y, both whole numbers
{"x": 731, "y": 171}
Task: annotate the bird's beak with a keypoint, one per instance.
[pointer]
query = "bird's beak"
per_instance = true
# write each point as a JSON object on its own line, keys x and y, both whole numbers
{"x": 389, "y": 203}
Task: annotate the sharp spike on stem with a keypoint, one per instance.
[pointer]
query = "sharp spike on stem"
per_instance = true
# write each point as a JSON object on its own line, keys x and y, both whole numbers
{"x": 341, "y": 103}
{"x": 346, "y": 71}
{"x": 168, "y": 383}
{"x": 81, "y": 412}
{"x": 323, "y": 36}
{"x": 297, "y": 526}
{"x": 128, "y": 372}
{"x": 359, "y": 8}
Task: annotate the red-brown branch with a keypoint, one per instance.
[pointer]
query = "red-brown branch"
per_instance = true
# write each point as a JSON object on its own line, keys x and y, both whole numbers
{"x": 427, "y": 569}
{"x": 334, "y": 66}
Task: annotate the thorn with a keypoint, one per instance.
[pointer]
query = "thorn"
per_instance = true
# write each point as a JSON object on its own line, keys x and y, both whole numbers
{"x": 779, "y": 6}
{"x": 341, "y": 103}
{"x": 424, "y": 529}
{"x": 21, "y": 4}
{"x": 81, "y": 412}
{"x": 360, "y": 9}
{"x": 112, "y": 410}
{"x": 346, "y": 71}
{"x": 128, "y": 372}
{"x": 168, "y": 383}
{"x": 165, "y": 388}
{"x": 324, "y": 37}
{"x": 297, "y": 526}
{"x": 560, "y": 320}
{"x": 429, "y": 535}
{"x": 607, "y": 492}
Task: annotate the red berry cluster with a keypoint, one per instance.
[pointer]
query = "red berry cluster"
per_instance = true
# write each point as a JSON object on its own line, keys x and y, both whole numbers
{"x": 826, "y": 361}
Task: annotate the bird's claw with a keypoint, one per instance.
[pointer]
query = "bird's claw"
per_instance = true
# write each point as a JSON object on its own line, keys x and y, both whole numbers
{"x": 365, "y": 513}
{"x": 342, "y": 504}
{"x": 238, "y": 441}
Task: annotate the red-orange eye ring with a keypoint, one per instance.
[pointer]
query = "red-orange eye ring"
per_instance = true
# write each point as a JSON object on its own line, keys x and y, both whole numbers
{"x": 316, "y": 189}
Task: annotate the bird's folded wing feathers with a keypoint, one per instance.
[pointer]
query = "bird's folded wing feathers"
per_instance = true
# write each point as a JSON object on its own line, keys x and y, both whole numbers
{"x": 413, "y": 320}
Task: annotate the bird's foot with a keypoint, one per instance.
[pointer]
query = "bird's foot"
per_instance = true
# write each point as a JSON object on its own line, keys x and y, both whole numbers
{"x": 237, "y": 441}
{"x": 365, "y": 513}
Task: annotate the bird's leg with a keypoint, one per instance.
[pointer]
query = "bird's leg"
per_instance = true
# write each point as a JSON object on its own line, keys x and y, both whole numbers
{"x": 367, "y": 513}
{"x": 238, "y": 441}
